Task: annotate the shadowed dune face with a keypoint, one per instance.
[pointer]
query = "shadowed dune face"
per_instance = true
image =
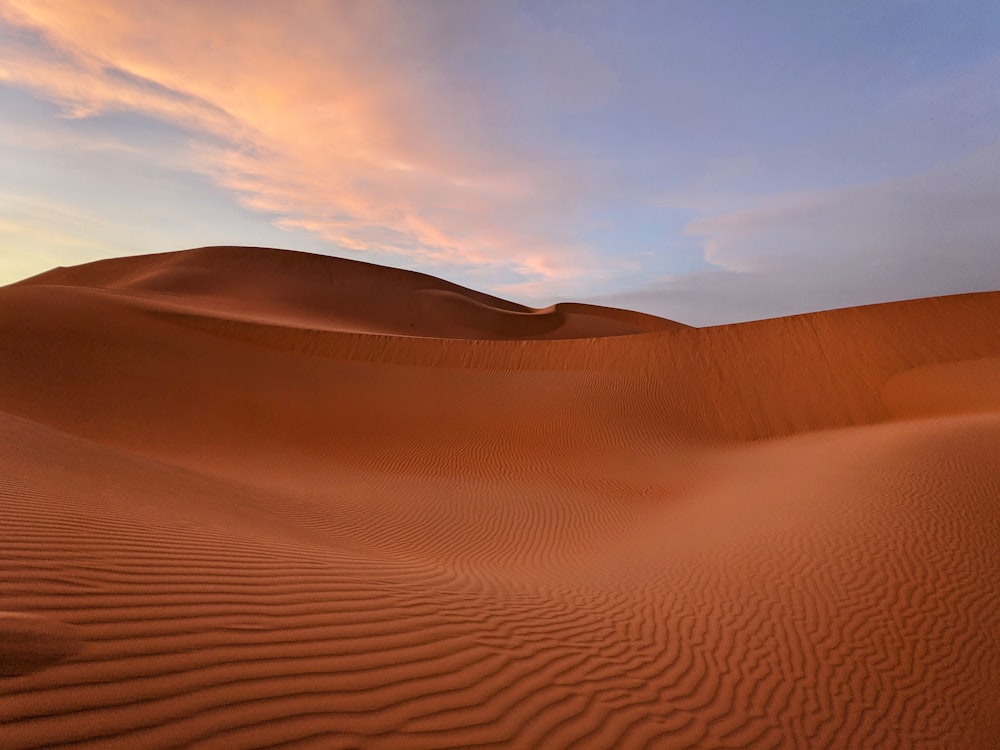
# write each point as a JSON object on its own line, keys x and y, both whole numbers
{"x": 251, "y": 497}
{"x": 29, "y": 643}
{"x": 967, "y": 386}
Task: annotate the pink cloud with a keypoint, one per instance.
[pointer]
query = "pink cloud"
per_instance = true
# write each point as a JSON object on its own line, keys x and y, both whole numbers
{"x": 341, "y": 118}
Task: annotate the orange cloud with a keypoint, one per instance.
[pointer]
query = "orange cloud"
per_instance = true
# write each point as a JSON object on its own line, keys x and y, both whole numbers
{"x": 356, "y": 121}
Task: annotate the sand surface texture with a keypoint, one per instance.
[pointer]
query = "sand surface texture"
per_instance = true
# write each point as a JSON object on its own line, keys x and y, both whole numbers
{"x": 255, "y": 498}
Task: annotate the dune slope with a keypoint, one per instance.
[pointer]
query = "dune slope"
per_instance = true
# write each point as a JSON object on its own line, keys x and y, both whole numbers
{"x": 257, "y": 498}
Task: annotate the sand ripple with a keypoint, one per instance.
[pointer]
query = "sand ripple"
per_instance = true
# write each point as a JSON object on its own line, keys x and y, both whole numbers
{"x": 229, "y": 523}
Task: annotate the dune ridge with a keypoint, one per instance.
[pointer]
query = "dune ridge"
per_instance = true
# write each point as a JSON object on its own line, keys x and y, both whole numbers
{"x": 338, "y": 294}
{"x": 251, "y": 498}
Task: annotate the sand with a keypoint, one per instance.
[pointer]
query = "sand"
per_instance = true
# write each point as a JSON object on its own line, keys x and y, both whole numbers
{"x": 256, "y": 498}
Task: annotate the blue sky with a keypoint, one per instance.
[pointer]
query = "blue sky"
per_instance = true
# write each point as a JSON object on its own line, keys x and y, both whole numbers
{"x": 705, "y": 161}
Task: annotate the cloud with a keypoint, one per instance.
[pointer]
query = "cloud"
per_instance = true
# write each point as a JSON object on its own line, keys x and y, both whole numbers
{"x": 483, "y": 142}
{"x": 933, "y": 233}
{"x": 54, "y": 232}
{"x": 370, "y": 124}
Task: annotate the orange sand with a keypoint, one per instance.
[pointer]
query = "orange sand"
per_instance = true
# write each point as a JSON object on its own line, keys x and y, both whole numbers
{"x": 252, "y": 497}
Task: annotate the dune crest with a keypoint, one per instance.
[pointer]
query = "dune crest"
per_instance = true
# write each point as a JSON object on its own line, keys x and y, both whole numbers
{"x": 252, "y": 497}
{"x": 318, "y": 291}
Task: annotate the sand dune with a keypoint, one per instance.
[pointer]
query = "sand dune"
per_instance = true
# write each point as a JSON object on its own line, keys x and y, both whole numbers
{"x": 258, "y": 498}
{"x": 316, "y": 291}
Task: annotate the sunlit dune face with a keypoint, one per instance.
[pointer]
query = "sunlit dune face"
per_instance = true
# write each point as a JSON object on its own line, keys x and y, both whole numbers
{"x": 254, "y": 497}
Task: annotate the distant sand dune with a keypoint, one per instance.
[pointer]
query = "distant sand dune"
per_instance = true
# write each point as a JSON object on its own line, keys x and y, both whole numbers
{"x": 337, "y": 294}
{"x": 258, "y": 498}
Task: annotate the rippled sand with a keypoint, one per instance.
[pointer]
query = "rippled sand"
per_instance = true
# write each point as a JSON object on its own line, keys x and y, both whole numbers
{"x": 253, "y": 498}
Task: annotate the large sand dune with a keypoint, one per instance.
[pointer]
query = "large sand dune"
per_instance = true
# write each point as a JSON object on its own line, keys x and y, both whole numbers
{"x": 258, "y": 498}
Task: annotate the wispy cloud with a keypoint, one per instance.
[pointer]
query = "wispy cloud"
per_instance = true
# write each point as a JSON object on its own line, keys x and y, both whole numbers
{"x": 364, "y": 123}
{"x": 784, "y": 157}
{"x": 54, "y": 231}
{"x": 937, "y": 232}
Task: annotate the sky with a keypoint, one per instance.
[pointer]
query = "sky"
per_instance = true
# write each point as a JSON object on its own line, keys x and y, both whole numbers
{"x": 706, "y": 161}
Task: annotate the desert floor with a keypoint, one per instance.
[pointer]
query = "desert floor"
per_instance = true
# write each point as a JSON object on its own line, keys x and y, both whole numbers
{"x": 258, "y": 498}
